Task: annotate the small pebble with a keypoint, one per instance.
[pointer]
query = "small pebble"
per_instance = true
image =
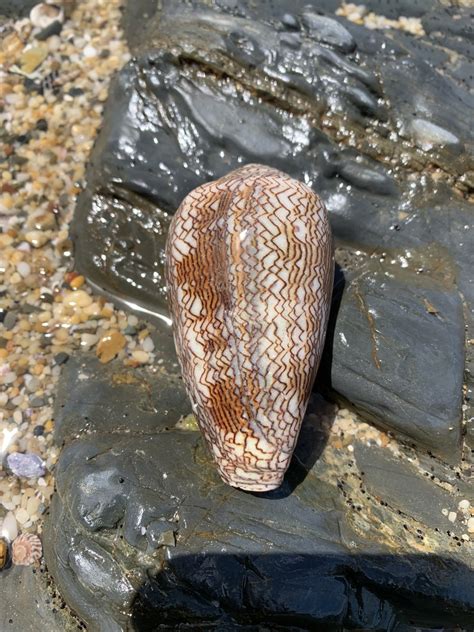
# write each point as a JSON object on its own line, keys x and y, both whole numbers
{"x": 38, "y": 431}
{"x": 77, "y": 282}
{"x": 76, "y": 92}
{"x": 470, "y": 525}
{"x": 26, "y": 308}
{"x": 9, "y": 377}
{"x": 32, "y": 384}
{"x": 452, "y": 516}
{"x": 32, "y": 58}
{"x": 9, "y": 527}
{"x": 24, "y": 269}
{"x": 42, "y": 125}
{"x": 148, "y": 344}
{"x": 90, "y": 51}
{"x": 32, "y": 505}
{"x": 78, "y": 298}
{"x": 12, "y": 45}
{"x": 61, "y": 358}
{"x": 22, "y": 516}
{"x": 140, "y": 356}
{"x": 36, "y": 238}
{"x": 36, "y": 402}
{"x": 168, "y": 538}
{"x": 464, "y": 505}
{"x": 10, "y": 320}
{"x": 88, "y": 340}
{"x": 110, "y": 345}
{"x": 26, "y": 465}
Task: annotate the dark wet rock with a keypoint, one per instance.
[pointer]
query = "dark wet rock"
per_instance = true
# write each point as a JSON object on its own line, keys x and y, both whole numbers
{"x": 398, "y": 353}
{"x": 155, "y": 167}
{"x": 126, "y": 261}
{"x": 449, "y": 30}
{"x": 139, "y": 13}
{"x": 395, "y": 8}
{"x": 327, "y": 31}
{"x": 136, "y": 15}
{"x": 30, "y": 604}
{"x": 16, "y": 8}
{"x": 387, "y": 477}
{"x": 142, "y": 526}
{"x": 452, "y": 21}
{"x": 364, "y": 117}
{"x": 145, "y": 399}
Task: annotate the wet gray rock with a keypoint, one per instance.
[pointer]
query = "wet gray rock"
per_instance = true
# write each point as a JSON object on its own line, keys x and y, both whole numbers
{"x": 30, "y": 603}
{"x": 143, "y": 530}
{"x": 327, "y": 31}
{"x": 144, "y": 399}
{"x": 397, "y": 335}
{"x": 16, "y": 8}
{"x": 364, "y": 117}
{"x": 385, "y": 477}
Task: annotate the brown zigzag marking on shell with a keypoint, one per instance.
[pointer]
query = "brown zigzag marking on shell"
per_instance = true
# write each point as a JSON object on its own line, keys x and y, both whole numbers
{"x": 250, "y": 271}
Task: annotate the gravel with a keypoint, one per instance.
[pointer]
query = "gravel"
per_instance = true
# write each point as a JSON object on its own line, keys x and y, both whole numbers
{"x": 50, "y": 113}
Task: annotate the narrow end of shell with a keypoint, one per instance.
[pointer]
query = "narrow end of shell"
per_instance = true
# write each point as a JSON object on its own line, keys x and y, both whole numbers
{"x": 253, "y": 481}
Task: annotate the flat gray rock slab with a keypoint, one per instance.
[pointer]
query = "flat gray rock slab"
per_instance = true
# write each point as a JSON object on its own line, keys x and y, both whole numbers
{"x": 29, "y": 602}
{"x": 142, "y": 529}
{"x": 398, "y": 355}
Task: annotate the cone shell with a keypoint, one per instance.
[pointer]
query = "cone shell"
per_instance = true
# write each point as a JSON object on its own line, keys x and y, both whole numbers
{"x": 26, "y": 549}
{"x": 250, "y": 271}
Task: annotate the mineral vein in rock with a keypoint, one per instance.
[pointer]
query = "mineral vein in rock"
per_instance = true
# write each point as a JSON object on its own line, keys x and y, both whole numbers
{"x": 250, "y": 271}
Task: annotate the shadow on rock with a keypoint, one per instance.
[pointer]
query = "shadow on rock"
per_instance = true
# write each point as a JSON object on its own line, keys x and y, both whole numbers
{"x": 323, "y": 378}
{"x": 301, "y": 591}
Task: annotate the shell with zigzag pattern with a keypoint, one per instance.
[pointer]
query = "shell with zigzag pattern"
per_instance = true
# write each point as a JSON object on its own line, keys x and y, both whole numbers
{"x": 250, "y": 271}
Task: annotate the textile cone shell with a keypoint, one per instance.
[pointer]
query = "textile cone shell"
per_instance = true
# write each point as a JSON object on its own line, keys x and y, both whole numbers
{"x": 250, "y": 272}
